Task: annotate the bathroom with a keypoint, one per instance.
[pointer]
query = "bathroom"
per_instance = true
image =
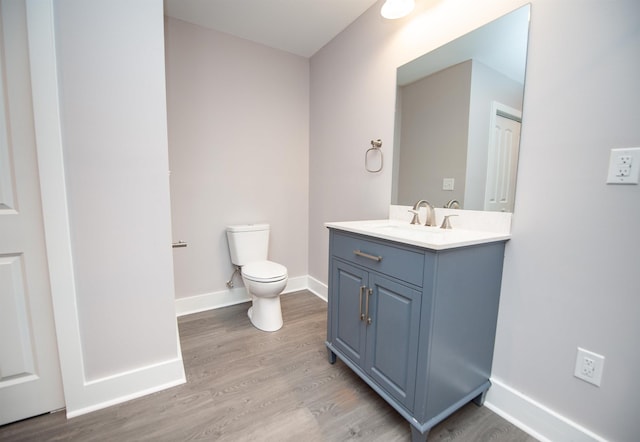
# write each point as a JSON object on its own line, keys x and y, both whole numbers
{"x": 302, "y": 144}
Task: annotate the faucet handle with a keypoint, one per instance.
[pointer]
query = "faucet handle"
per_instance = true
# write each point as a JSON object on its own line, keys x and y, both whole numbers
{"x": 416, "y": 216}
{"x": 446, "y": 224}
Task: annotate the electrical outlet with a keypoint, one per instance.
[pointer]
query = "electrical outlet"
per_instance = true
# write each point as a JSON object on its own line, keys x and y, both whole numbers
{"x": 589, "y": 366}
{"x": 624, "y": 166}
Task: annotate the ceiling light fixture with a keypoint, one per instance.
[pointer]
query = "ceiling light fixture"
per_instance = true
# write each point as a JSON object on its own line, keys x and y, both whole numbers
{"x": 396, "y": 8}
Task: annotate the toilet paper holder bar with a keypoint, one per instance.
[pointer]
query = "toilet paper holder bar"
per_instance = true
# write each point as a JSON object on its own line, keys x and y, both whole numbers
{"x": 178, "y": 244}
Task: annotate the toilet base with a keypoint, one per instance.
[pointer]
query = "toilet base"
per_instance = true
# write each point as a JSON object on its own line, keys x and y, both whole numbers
{"x": 265, "y": 313}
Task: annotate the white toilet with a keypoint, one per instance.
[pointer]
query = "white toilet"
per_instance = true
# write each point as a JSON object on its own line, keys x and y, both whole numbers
{"x": 263, "y": 279}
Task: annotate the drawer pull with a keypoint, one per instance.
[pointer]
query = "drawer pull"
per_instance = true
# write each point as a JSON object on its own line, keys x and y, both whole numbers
{"x": 366, "y": 255}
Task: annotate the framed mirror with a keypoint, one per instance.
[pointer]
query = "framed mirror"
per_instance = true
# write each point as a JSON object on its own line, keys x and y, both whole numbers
{"x": 458, "y": 119}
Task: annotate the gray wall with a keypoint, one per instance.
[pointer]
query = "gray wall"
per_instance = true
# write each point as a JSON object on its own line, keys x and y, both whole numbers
{"x": 573, "y": 236}
{"x": 238, "y": 118}
{"x": 113, "y": 118}
{"x": 433, "y": 136}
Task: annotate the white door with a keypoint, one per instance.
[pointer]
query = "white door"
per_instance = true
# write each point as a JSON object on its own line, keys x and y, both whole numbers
{"x": 504, "y": 146}
{"x": 30, "y": 381}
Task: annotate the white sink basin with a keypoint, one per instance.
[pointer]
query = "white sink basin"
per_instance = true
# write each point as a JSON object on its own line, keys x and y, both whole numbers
{"x": 428, "y": 237}
{"x": 409, "y": 231}
{"x": 405, "y": 227}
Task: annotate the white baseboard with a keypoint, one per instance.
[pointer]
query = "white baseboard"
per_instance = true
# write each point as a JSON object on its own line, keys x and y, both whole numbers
{"x": 225, "y": 298}
{"x": 112, "y": 390}
{"x": 210, "y": 301}
{"x": 534, "y": 418}
{"x": 317, "y": 288}
{"x": 296, "y": 284}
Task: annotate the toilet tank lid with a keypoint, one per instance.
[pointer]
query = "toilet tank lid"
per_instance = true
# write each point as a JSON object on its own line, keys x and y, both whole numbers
{"x": 247, "y": 227}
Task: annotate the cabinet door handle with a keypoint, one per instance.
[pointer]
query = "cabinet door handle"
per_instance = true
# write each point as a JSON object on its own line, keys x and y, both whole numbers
{"x": 369, "y": 292}
{"x": 366, "y": 255}
{"x": 362, "y": 287}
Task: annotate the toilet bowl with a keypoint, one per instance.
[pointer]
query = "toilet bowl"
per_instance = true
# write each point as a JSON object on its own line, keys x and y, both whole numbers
{"x": 264, "y": 280}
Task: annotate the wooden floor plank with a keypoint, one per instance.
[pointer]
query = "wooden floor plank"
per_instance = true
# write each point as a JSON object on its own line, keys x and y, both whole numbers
{"x": 248, "y": 385}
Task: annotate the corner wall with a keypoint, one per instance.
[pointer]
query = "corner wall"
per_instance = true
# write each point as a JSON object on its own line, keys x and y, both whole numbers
{"x": 101, "y": 131}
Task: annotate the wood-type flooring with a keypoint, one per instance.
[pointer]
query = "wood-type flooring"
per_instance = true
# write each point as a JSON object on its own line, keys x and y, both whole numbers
{"x": 248, "y": 385}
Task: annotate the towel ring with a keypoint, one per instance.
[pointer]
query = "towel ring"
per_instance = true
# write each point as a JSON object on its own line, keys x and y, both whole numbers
{"x": 375, "y": 147}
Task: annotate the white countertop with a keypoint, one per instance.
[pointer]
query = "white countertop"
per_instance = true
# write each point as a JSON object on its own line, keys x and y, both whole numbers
{"x": 433, "y": 238}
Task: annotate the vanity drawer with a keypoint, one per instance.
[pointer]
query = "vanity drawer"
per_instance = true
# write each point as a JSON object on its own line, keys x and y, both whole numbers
{"x": 401, "y": 263}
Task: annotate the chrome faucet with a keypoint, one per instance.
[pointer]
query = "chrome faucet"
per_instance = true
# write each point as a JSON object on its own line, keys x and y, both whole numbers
{"x": 452, "y": 204}
{"x": 431, "y": 216}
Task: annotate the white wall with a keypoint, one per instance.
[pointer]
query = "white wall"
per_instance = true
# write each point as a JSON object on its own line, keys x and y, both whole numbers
{"x": 573, "y": 236}
{"x": 110, "y": 66}
{"x": 238, "y": 117}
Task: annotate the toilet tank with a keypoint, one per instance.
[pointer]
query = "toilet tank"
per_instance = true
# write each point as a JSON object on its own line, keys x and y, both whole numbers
{"x": 248, "y": 243}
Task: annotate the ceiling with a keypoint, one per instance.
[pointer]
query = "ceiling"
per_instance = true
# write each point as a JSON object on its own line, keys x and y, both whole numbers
{"x": 500, "y": 44}
{"x": 301, "y": 27}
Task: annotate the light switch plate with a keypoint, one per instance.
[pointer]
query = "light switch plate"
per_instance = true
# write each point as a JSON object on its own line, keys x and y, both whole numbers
{"x": 448, "y": 183}
{"x": 624, "y": 166}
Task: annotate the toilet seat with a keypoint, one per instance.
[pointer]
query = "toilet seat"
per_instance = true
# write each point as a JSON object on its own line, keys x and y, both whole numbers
{"x": 264, "y": 271}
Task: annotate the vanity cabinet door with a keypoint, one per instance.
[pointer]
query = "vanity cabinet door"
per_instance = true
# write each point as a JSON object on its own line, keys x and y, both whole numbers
{"x": 348, "y": 290}
{"x": 392, "y": 337}
{"x": 375, "y": 323}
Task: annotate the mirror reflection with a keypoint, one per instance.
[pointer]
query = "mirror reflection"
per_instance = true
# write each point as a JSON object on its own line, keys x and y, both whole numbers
{"x": 458, "y": 119}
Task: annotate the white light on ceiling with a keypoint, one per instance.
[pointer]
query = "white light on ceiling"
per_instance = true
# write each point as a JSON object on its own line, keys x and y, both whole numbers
{"x": 397, "y": 8}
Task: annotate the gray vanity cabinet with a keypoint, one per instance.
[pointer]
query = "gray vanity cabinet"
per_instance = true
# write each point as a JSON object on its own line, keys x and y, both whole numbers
{"x": 377, "y": 327}
{"x": 417, "y": 325}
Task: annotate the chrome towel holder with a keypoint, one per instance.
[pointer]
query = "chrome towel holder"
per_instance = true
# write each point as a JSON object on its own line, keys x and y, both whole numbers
{"x": 375, "y": 147}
